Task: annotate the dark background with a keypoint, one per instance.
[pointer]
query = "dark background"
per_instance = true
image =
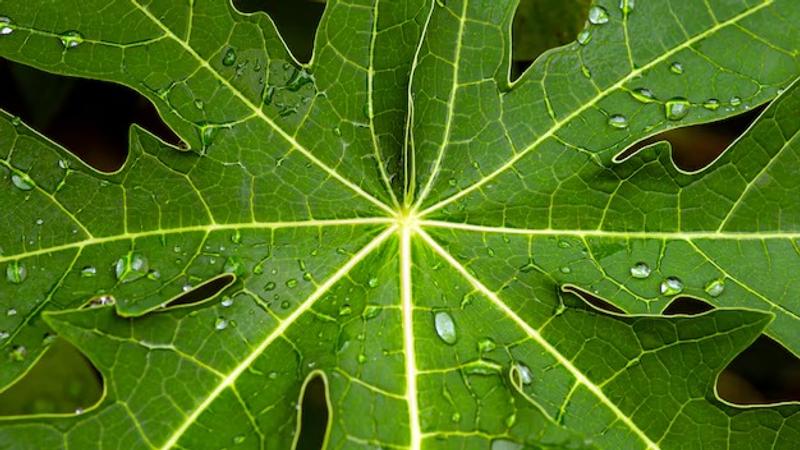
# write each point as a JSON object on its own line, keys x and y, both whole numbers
{"x": 92, "y": 118}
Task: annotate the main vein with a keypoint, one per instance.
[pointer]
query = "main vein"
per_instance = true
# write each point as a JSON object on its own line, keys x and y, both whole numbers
{"x": 408, "y": 338}
{"x": 259, "y": 112}
{"x": 579, "y": 376}
{"x": 591, "y": 103}
{"x": 231, "y": 378}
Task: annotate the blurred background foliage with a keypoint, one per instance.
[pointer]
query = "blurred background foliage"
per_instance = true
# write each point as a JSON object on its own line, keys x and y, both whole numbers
{"x": 92, "y": 118}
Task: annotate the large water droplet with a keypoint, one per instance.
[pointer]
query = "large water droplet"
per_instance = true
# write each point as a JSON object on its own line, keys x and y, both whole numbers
{"x": 445, "y": 327}
{"x": 11, "y": 312}
{"x": 88, "y": 272}
{"x": 640, "y": 270}
{"x": 71, "y": 39}
{"x": 229, "y": 58}
{"x": 618, "y": 121}
{"x": 677, "y": 108}
{"x": 18, "y": 353}
{"x": 671, "y": 286}
{"x": 16, "y": 272}
{"x": 131, "y": 267}
{"x": 226, "y": 302}
{"x": 22, "y": 182}
{"x": 736, "y": 101}
{"x": 524, "y": 373}
{"x": 598, "y": 15}
{"x": 715, "y": 288}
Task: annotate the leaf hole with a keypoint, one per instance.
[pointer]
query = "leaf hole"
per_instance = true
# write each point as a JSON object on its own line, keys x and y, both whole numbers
{"x": 296, "y": 21}
{"x": 314, "y": 415}
{"x": 62, "y": 381}
{"x": 686, "y": 306}
{"x": 90, "y": 118}
{"x": 695, "y": 147}
{"x": 593, "y": 301}
{"x": 764, "y": 373}
{"x": 539, "y": 26}
{"x": 202, "y": 293}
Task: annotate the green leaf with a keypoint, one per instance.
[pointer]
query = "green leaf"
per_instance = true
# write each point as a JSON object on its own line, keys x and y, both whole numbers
{"x": 402, "y": 220}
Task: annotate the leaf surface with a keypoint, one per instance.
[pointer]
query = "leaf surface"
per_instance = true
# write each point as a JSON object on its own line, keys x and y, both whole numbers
{"x": 401, "y": 219}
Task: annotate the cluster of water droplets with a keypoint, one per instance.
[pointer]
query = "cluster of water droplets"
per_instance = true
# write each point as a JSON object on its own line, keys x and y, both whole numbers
{"x": 672, "y": 285}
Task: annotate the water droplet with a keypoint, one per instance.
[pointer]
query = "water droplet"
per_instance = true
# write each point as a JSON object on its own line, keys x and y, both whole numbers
{"x": 153, "y": 275}
{"x": 524, "y": 373}
{"x": 71, "y": 39}
{"x": 22, "y": 182}
{"x": 63, "y": 164}
{"x": 16, "y": 121}
{"x": 18, "y": 353}
{"x": 452, "y": 182}
{"x": 226, "y": 302}
{"x": 505, "y": 444}
{"x": 131, "y": 267}
{"x": 291, "y": 283}
{"x": 79, "y": 411}
{"x": 4, "y": 335}
{"x": 229, "y": 58}
{"x": 564, "y": 244}
{"x": 236, "y": 237}
{"x": 370, "y": 312}
{"x": 486, "y": 345}
{"x": 238, "y": 440}
{"x": 5, "y": 26}
{"x": 39, "y": 221}
{"x": 490, "y": 251}
{"x": 677, "y": 108}
{"x": 285, "y": 304}
{"x": 221, "y": 323}
{"x": 103, "y": 300}
{"x": 598, "y": 15}
{"x": 584, "y": 37}
{"x": 270, "y": 286}
{"x": 268, "y": 94}
{"x": 676, "y": 68}
{"x": 345, "y": 310}
{"x": 566, "y": 269}
{"x": 11, "y": 312}
{"x": 711, "y": 104}
{"x": 16, "y": 272}
{"x": 627, "y": 6}
{"x": 455, "y": 417}
{"x": 186, "y": 287}
{"x": 586, "y": 72}
{"x": 373, "y": 282}
{"x": 445, "y": 327}
{"x": 298, "y": 80}
{"x": 671, "y": 286}
{"x": 736, "y": 101}
{"x": 715, "y": 288}
{"x": 234, "y": 265}
{"x": 199, "y": 104}
{"x": 337, "y": 131}
{"x": 362, "y": 358}
{"x": 643, "y": 95}
{"x": 49, "y": 338}
{"x": 640, "y": 270}
{"x": 618, "y": 121}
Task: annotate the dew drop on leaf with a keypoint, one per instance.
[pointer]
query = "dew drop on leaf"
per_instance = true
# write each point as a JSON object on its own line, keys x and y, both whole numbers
{"x": 445, "y": 327}
{"x": 370, "y": 312}
{"x": 566, "y": 269}
{"x": 270, "y": 286}
{"x": 88, "y": 272}
{"x": 373, "y": 282}
{"x": 736, "y": 101}
{"x": 5, "y": 26}
{"x": 505, "y": 444}
{"x": 640, "y": 270}
{"x": 221, "y": 323}
{"x": 455, "y": 417}
{"x": 627, "y": 6}
{"x": 4, "y": 335}
{"x": 22, "y": 182}
{"x": 671, "y": 286}
{"x": 618, "y": 121}
{"x": 486, "y": 345}
{"x": 229, "y": 58}
{"x": 11, "y": 312}
{"x": 598, "y": 15}
{"x": 226, "y": 302}
{"x": 524, "y": 373}
{"x": 345, "y": 310}
{"x": 291, "y": 283}
{"x": 676, "y": 68}
{"x": 643, "y": 95}
{"x": 715, "y": 288}
{"x": 584, "y": 37}
{"x": 71, "y": 39}
{"x": 18, "y": 353}
{"x": 16, "y": 272}
{"x": 677, "y": 108}
{"x": 131, "y": 267}
{"x": 711, "y": 104}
